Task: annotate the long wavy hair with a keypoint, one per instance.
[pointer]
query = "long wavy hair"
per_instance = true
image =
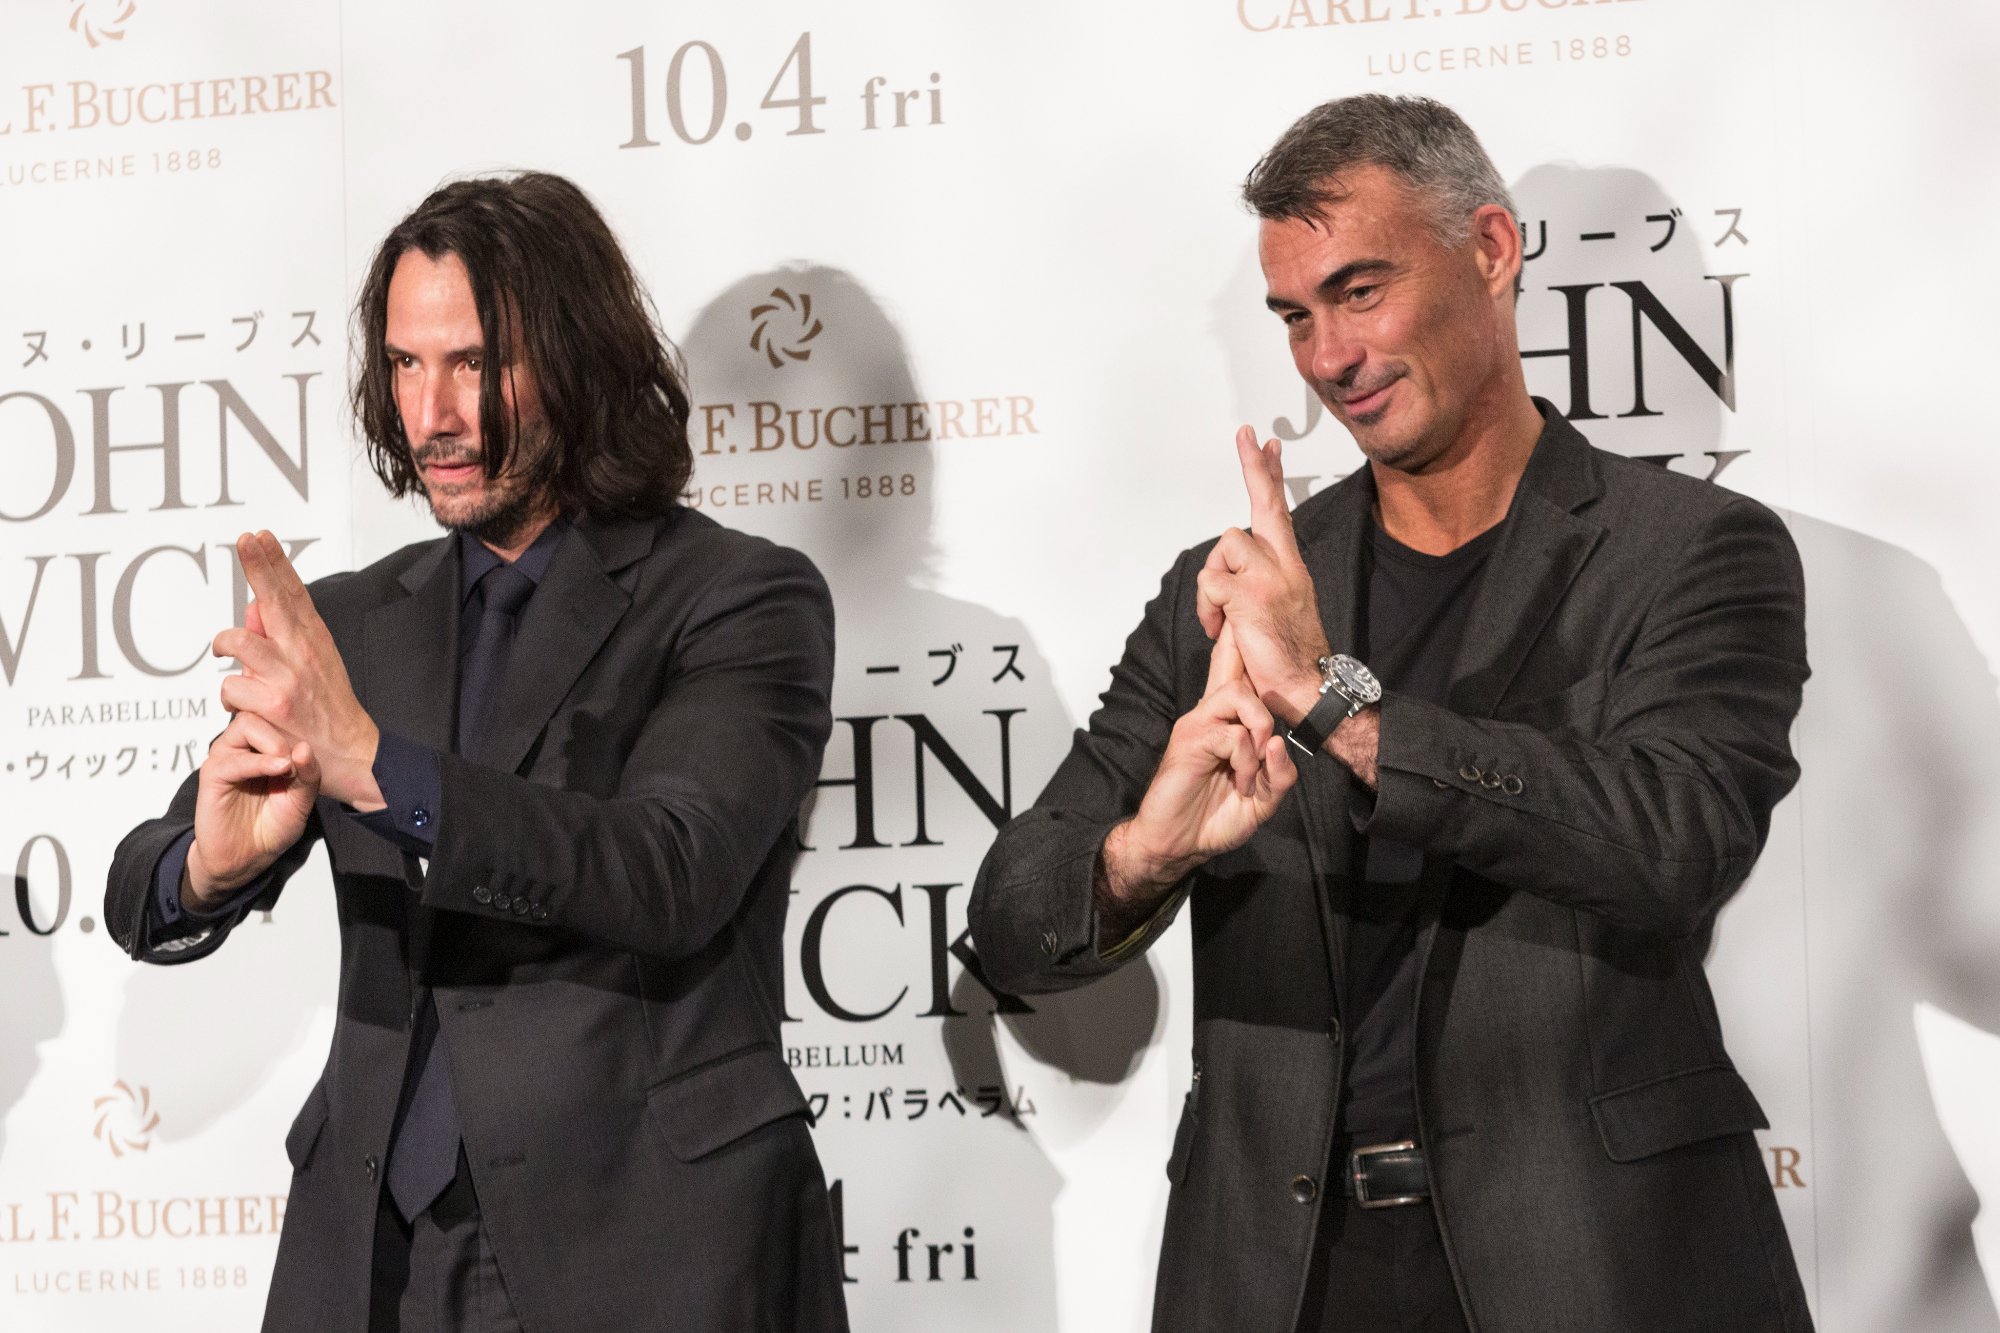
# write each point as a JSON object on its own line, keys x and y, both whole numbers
{"x": 553, "y": 288}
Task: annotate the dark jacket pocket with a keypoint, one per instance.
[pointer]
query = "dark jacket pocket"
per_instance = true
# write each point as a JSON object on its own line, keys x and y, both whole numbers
{"x": 1674, "y": 1111}
{"x": 722, "y": 1101}
{"x": 305, "y": 1130}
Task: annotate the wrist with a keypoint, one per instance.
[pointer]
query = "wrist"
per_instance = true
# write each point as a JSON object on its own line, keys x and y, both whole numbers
{"x": 350, "y": 777}
{"x": 1136, "y": 870}
{"x": 1356, "y": 741}
{"x": 1296, "y": 697}
{"x": 199, "y": 889}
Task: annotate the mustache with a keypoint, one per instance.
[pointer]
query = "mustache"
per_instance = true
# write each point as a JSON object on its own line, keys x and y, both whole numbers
{"x": 1355, "y": 386}
{"x": 443, "y": 453}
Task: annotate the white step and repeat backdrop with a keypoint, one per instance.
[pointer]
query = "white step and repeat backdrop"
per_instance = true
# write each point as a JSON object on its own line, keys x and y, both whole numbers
{"x": 971, "y": 313}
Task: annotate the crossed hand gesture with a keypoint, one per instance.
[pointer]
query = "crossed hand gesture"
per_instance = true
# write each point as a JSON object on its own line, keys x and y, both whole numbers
{"x": 296, "y": 729}
{"x": 1227, "y": 766}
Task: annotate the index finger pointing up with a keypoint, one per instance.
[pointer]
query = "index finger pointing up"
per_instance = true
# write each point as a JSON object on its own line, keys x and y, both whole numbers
{"x": 283, "y": 599}
{"x": 1264, "y": 479}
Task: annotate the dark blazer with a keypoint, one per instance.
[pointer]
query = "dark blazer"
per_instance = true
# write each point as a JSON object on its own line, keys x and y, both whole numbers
{"x": 1600, "y": 782}
{"x": 602, "y": 919}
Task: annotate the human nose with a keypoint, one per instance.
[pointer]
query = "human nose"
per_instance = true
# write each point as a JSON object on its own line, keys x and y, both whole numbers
{"x": 431, "y": 410}
{"x": 1336, "y": 352}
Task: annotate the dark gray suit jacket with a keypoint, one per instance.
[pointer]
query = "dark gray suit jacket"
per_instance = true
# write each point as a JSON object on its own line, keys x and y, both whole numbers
{"x": 603, "y": 921}
{"x": 1601, "y": 781}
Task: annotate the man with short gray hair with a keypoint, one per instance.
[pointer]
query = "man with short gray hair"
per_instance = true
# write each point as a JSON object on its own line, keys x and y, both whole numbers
{"x": 1456, "y": 1064}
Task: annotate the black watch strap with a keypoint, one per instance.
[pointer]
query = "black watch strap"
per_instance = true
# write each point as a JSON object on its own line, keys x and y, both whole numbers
{"x": 1309, "y": 733}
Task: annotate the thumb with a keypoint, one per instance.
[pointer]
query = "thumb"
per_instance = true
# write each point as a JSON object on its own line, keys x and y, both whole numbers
{"x": 305, "y": 764}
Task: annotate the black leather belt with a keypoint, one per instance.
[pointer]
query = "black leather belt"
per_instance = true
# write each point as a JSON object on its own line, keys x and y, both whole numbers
{"x": 1386, "y": 1175}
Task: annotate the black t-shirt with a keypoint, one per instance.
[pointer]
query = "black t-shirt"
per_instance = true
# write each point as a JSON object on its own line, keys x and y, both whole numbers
{"x": 1417, "y": 607}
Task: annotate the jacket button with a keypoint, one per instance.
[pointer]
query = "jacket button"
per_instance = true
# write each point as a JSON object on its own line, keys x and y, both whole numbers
{"x": 1049, "y": 942}
{"x": 482, "y": 895}
{"x": 539, "y": 912}
{"x": 1489, "y": 780}
{"x": 420, "y": 817}
{"x": 1469, "y": 773}
{"x": 1512, "y": 785}
{"x": 369, "y": 1165}
{"x": 520, "y": 907}
{"x": 502, "y": 901}
{"x": 1304, "y": 1189}
{"x": 1333, "y": 1030}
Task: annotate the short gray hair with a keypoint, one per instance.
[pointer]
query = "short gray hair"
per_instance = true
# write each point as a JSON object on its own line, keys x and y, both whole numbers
{"x": 1423, "y": 141}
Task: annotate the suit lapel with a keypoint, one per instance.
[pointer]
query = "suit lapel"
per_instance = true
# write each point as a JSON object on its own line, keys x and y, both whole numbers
{"x": 1542, "y": 547}
{"x": 568, "y": 619}
{"x": 1326, "y": 787}
{"x": 410, "y": 652}
{"x": 409, "y": 683}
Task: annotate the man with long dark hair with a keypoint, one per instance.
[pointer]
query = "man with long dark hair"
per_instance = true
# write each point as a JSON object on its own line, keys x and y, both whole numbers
{"x": 1456, "y": 1064}
{"x": 555, "y": 758}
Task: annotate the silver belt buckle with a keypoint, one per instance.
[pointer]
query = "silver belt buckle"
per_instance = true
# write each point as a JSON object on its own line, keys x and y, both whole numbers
{"x": 1361, "y": 1176}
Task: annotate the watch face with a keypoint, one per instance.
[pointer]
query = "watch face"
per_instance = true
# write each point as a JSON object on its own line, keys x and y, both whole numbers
{"x": 1356, "y": 679}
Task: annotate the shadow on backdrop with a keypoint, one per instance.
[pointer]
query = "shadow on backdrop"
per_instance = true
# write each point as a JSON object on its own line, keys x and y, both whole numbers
{"x": 31, "y": 1012}
{"x": 769, "y": 357}
{"x": 206, "y": 1037}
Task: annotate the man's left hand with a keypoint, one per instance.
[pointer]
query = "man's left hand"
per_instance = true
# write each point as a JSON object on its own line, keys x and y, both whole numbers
{"x": 1258, "y": 580}
{"x": 293, "y": 677}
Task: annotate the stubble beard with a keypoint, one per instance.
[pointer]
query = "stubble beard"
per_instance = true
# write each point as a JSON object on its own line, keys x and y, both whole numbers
{"x": 496, "y": 510}
{"x": 1373, "y": 434}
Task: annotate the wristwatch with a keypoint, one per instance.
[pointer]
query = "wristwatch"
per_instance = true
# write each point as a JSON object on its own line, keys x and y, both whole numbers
{"x": 1345, "y": 688}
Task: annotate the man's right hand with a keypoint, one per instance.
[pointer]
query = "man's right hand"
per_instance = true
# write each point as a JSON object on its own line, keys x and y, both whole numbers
{"x": 1224, "y": 773}
{"x": 255, "y": 795}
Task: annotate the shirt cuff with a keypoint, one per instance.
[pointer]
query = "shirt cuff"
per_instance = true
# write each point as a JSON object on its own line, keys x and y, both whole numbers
{"x": 411, "y": 777}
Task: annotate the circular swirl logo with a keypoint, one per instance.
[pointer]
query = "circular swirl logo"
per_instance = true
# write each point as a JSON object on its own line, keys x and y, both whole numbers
{"x": 100, "y": 21}
{"x": 782, "y": 326}
{"x": 125, "y": 1119}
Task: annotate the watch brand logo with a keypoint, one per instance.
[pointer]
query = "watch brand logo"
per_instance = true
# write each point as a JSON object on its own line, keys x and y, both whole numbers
{"x": 794, "y": 327}
{"x": 100, "y": 21}
{"x": 125, "y": 1119}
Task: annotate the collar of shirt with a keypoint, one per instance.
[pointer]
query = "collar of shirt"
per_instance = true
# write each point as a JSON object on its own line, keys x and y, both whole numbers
{"x": 475, "y": 558}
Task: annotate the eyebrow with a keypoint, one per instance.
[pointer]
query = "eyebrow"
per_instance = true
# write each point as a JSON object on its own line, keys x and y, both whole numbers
{"x": 1333, "y": 282}
{"x": 456, "y": 353}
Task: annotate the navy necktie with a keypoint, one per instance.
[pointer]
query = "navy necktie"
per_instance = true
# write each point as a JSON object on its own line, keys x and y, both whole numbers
{"x": 423, "y": 1158}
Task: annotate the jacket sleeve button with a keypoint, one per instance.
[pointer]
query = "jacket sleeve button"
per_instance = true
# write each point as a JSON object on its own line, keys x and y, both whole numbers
{"x": 1469, "y": 773}
{"x": 482, "y": 895}
{"x": 1512, "y": 785}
